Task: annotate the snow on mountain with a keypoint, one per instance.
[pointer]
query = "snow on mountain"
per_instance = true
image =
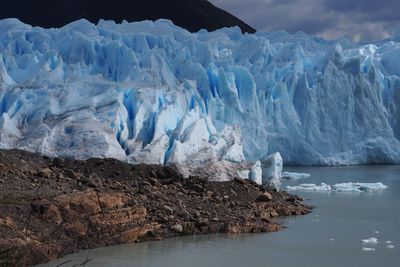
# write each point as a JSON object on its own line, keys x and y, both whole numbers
{"x": 153, "y": 92}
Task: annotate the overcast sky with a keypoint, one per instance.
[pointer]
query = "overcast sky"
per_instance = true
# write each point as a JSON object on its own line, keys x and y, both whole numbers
{"x": 359, "y": 20}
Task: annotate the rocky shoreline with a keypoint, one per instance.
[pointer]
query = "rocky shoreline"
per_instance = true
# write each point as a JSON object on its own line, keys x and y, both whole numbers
{"x": 53, "y": 207}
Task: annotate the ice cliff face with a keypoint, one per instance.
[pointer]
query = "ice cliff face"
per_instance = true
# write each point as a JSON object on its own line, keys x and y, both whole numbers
{"x": 152, "y": 92}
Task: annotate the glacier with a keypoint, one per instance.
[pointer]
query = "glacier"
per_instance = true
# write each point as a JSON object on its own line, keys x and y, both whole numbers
{"x": 151, "y": 92}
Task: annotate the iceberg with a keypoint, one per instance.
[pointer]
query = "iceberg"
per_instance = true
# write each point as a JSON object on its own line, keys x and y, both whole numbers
{"x": 342, "y": 187}
{"x": 151, "y": 92}
{"x": 358, "y": 187}
{"x": 310, "y": 187}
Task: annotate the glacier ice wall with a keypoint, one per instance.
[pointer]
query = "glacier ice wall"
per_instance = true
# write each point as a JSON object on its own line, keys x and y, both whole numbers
{"x": 152, "y": 92}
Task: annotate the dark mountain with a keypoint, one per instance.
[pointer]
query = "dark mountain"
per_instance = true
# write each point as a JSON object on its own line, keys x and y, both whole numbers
{"x": 190, "y": 14}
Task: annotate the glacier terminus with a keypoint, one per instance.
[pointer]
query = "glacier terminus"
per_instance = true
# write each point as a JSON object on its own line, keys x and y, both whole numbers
{"x": 207, "y": 102}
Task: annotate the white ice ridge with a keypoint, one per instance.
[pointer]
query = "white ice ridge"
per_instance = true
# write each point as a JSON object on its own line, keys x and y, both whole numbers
{"x": 153, "y": 92}
{"x": 342, "y": 187}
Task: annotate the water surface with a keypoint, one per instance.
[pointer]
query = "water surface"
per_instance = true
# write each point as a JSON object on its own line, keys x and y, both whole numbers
{"x": 330, "y": 236}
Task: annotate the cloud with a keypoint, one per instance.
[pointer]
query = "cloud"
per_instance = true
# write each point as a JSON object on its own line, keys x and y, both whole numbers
{"x": 359, "y": 20}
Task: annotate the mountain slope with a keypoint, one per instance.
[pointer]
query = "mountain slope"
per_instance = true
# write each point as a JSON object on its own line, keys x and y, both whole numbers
{"x": 192, "y": 15}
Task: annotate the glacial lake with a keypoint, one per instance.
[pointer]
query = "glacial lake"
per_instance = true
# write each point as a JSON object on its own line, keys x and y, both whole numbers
{"x": 330, "y": 236}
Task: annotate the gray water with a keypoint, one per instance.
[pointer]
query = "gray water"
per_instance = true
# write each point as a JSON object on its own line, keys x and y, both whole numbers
{"x": 330, "y": 236}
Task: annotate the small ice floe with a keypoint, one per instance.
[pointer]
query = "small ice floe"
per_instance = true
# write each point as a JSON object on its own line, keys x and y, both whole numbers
{"x": 294, "y": 175}
{"x": 376, "y": 232}
{"x": 358, "y": 187}
{"x": 311, "y": 187}
{"x": 389, "y": 244}
{"x": 371, "y": 240}
{"x": 368, "y": 249}
{"x": 342, "y": 187}
{"x": 315, "y": 220}
{"x": 332, "y": 239}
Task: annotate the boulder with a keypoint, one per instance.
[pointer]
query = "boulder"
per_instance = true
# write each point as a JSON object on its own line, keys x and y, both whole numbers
{"x": 265, "y": 197}
{"x": 177, "y": 228}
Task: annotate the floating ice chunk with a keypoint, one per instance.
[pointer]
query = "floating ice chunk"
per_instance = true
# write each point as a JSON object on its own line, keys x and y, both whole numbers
{"x": 376, "y": 232}
{"x": 368, "y": 249}
{"x": 342, "y": 187}
{"x": 346, "y": 187}
{"x": 310, "y": 187}
{"x": 388, "y": 242}
{"x": 294, "y": 175}
{"x": 358, "y": 187}
{"x": 371, "y": 240}
{"x": 390, "y": 247}
{"x": 332, "y": 239}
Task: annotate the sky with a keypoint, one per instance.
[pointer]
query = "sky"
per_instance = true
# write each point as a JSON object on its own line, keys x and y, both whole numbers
{"x": 358, "y": 20}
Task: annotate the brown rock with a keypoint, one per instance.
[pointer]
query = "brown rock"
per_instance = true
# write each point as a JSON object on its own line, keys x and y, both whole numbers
{"x": 45, "y": 172}
{"x": 284, "y": 211}
{"x": 264, "y": 197}
{"x": 177, "y": 228}
{"x": 116, "y": 211}
{"x": 265, "y": 216}
{"x": 121, "y": 216}
{"x": 168, "y": 208}
{"x": 240, "y": 181}
{"x": 154, "y": 181}
{"x": 196, "y": 188}
{"x": 111, "y": 200}
{"x": 71, "y": 174}
{"x": 8, "y": 222}
{"x": 47, "y": 211}
{"x": 53, "y": 214}
{"x": 85, "y": 203}
{"x": 202, "y": 222}
{"x": 133, "y": 234}
{"x": 273, "y": 213}
{"x": 75, "y": 229}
